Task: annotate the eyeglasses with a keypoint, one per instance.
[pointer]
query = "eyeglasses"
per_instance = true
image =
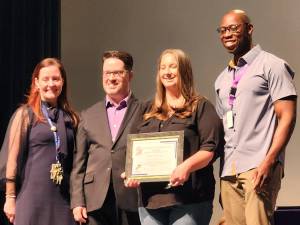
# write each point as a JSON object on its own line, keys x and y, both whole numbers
{"x": 233, "y": 28}
{"x": 117, "y": 73}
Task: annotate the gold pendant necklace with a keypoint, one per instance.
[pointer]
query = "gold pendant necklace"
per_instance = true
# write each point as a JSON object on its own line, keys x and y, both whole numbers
{"x": 56, "y": 173}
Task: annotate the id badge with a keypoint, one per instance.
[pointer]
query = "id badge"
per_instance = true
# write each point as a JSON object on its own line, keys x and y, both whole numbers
{"x": 229, "y": 118}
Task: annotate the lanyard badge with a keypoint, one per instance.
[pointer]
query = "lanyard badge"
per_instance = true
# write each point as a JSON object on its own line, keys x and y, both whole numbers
{"x": 56, "y": 172}
{"x": 232, "y": 95}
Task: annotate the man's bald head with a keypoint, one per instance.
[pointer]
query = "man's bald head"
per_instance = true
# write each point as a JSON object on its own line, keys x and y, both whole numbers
{"x": 236, "y": 32}
{"x": 241, "y": 14}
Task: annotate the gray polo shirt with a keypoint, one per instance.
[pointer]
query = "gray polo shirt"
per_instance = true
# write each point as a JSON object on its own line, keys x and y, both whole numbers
{"x": 266, "y": 79}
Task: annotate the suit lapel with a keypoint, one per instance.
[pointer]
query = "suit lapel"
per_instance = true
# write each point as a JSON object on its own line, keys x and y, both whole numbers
{"x": 104, "y": 128}
{"x": 132, "y": 105}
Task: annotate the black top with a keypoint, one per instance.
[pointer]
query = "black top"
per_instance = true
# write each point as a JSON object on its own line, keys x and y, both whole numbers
{"x": 202, "y": 131}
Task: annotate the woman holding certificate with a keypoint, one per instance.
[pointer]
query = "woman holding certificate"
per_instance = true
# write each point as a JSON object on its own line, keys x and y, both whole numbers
{"x": 188, "y": 197}
{"x": 39, "y": 144}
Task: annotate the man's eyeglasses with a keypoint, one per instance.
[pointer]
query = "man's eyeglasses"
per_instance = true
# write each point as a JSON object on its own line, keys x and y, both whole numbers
{"x": 117, "y": 73}
{"x": 233, "y": 28}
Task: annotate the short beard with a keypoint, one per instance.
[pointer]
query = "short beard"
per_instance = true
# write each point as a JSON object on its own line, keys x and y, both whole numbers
{"x": 244, "y": 46}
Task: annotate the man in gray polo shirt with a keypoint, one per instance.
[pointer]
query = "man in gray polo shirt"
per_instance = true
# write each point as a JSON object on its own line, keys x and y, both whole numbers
{"x": 256, "y": 99}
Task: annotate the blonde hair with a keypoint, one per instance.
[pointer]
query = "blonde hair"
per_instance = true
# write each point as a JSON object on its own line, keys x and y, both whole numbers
{"x": 159, "y": 108}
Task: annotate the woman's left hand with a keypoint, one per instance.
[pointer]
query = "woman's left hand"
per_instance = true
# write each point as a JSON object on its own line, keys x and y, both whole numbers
{"x": 10, "y": 209}
{"x": 180, "y": 175}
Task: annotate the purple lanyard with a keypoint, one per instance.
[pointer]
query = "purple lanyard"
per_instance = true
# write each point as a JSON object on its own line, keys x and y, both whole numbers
{"x": 237, "y": 77}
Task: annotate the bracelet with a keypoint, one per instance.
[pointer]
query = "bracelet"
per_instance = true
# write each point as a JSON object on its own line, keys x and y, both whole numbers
{"x": 10, "y": 180}
{"x": 10, "y": 196}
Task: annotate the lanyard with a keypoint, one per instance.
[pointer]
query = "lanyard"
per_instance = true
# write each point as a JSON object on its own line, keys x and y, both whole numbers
{"x": 54, "y": 130}
{"x": 237, "y": 77}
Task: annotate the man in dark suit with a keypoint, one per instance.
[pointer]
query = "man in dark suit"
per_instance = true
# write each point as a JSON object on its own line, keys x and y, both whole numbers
{"x": 98, "y": 194}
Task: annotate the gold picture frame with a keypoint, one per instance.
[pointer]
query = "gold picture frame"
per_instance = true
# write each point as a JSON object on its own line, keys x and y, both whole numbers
{"x": 151, "y": 157}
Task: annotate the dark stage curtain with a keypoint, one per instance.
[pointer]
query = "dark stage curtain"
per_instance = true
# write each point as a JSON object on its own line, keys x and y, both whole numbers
{"x": 29, "y": 31}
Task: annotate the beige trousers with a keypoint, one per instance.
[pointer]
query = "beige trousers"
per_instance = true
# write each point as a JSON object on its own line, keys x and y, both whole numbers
{"x": 245, "y": 206}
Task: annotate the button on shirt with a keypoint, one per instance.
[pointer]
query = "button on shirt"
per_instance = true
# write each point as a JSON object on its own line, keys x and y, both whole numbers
{"x": 115, "y": 114}
{"x": 267, "y": 78}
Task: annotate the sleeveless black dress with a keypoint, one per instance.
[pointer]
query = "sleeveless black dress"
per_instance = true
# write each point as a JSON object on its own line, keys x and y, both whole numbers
{"x": 40, "y": 201}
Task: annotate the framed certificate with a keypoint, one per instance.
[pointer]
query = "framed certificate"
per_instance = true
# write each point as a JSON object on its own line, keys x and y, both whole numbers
{"x": 152, "y": 157}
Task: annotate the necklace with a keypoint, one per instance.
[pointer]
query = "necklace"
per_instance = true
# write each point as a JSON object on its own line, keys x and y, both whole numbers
{"x": 177, "y": 103}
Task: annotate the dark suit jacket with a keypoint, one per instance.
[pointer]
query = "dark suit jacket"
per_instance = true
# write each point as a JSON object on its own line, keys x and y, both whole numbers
{"x": 97, "y": 159}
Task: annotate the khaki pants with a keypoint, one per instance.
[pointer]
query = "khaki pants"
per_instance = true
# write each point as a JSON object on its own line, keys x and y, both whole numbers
{"x": 243, "y": 205}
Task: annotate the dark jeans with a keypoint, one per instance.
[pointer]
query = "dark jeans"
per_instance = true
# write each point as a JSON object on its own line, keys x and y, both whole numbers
{"x": 189, "y": 214}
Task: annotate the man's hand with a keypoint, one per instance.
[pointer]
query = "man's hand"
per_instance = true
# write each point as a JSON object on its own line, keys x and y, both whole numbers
{"x": 261, "y": 174}
{"x": 80, "y": 214}
{"x": 130, "y": 183}
{"x": 285, "y": 110}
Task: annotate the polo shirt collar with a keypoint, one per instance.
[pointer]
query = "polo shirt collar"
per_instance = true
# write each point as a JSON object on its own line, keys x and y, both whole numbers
{"x": 248, "y": 58}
